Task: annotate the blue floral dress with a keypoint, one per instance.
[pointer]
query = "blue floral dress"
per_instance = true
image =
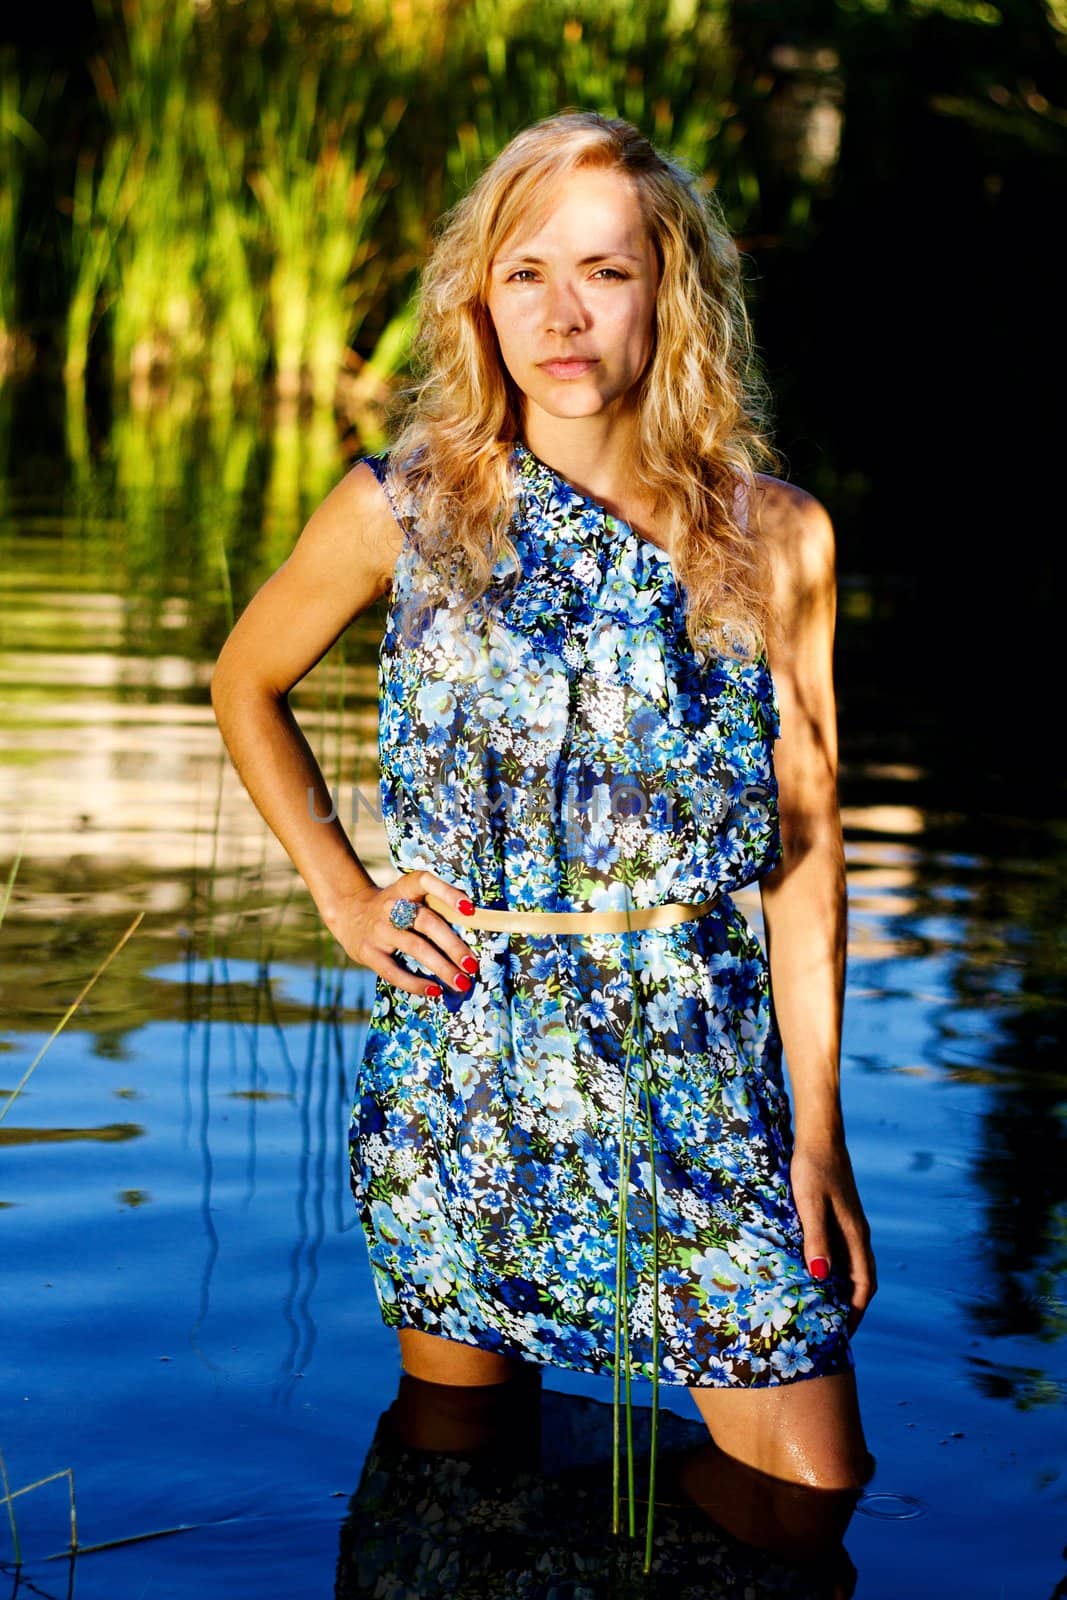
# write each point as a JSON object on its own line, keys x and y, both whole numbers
{"x": 580, "y": 755}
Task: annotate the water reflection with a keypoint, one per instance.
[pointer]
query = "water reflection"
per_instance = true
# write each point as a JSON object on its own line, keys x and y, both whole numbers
{"x": 478, "y": 1493}
{"x": 966, "y": 944}
{"x": 112, "y": 1133}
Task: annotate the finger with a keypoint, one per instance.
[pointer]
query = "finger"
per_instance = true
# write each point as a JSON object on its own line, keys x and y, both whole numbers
{"x": 443, "y": 931}
{"x": 429, "y": 883}
{"x": 857, "y": 1240}
{"x": 864, "y": 1281}
{"x": 400, "y": 978}
{"x": 421, "y": 948}
{"x": 386, "y": 941}
{"x": 862, "y": 1294}
{"x": 814, "y": 1225}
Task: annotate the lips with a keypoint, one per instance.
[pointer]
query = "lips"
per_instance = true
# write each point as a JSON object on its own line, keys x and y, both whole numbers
{"x": 568, "y": 367}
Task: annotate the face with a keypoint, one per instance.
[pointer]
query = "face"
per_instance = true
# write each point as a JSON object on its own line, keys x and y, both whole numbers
{"x": 573, "y": 300}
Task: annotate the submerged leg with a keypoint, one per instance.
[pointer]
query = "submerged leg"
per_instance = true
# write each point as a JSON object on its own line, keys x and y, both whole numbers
{"x": 786, "y": 1464}
{"x": 454, "y": 1417}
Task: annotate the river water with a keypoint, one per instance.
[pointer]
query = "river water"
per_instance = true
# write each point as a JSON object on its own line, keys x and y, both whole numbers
{"x": 188, "y": 1325}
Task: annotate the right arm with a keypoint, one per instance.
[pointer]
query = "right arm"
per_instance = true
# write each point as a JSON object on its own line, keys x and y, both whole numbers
{"x": 341, "y": 564}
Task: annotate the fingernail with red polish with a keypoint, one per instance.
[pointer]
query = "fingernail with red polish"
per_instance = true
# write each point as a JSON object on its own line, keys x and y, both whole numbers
{"x": 434, "y": 991}
{"x": 469, "y": 963}
{"x": 819, "y": 1268}
{"x": 467, "y": 907}
{"x": 461, "y": 981}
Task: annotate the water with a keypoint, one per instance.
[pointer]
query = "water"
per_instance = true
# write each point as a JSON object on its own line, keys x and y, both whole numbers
{"x": 187, "y": 1319}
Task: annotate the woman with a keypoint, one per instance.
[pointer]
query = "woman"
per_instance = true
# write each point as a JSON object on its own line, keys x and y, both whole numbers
{"x": 602, "y": 620}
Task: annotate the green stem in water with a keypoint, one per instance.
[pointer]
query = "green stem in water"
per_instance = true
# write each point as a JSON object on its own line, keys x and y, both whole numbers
{"x": 655, "y": 1313}
{"x": 622, "y": 1329}
{"x": 637, "y": 1025}
{"x": 622, "y": 1304}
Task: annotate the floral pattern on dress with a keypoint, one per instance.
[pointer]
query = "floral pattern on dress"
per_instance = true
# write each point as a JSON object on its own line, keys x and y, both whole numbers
{"x": 580, "y": 755}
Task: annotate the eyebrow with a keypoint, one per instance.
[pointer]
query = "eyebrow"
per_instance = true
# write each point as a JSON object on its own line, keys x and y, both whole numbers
{"x": 586, "y": 261}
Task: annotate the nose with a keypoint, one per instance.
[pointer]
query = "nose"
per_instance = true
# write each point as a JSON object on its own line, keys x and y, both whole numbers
{"x": 564, "y": 312}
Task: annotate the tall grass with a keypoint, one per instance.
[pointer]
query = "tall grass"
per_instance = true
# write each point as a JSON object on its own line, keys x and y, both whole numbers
{"x": 226, "y": 226}
{"x": 269, "y": 181}
{"x": 319, "y": 202}
{"x": 11, "y": 178}
{"x": 104, "y": 193}
{"x": 145, "y": 209}
{"x": 19, "y": 140}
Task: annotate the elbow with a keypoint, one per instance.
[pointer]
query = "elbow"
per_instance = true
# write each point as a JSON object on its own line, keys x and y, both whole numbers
{"x": 220, "y": 682}
{"x": 226, "y": 682}
{"x": 808, "y": 839}
{"x": 233, "y": 685}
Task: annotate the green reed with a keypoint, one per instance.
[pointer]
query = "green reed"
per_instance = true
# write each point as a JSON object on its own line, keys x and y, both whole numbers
{"x": 147, "y": 216}
{"x": 12, "y": 875}
{"x": 268, "y": 182}
{"x": 318, "y": 206}
{"x": 236, "y": 343}
{"x": 19, "y": 105}
{"x": 225, "y": 228}
{"x": 11, "y": 1495}
{"x": 65, "y": 1018}
{"x": 635, "y": 1028}
{"x": 102, "y": 196}
{"x": 667, "y": 67}
{"x": 11, "y": 184}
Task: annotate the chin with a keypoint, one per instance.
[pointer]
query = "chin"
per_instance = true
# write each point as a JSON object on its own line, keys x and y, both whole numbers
{"x": 571, "y": 405}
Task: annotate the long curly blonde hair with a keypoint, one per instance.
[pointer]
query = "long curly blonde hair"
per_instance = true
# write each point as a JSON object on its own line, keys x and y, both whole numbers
{"x": 700, "y": 403}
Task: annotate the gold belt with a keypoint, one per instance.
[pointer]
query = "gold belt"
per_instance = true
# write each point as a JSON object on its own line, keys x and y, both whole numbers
{"x": 572, "y": 921}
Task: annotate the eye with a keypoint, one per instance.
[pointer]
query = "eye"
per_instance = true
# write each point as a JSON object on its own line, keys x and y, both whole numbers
{"x": 614, "y": 273}
{"x": 515, "y": 276}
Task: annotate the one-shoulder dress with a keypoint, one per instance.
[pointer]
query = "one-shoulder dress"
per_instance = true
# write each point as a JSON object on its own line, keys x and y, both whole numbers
{"x": 581, "y": 755}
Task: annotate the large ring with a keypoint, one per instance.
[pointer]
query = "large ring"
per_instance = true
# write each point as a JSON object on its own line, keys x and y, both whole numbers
{"x": 403, "y": 913}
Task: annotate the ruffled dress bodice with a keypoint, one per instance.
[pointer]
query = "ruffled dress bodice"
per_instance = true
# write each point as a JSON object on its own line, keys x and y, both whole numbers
{"x": 581, "y": 755}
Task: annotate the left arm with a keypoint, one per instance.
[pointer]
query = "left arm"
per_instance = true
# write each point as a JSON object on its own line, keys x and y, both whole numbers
{"x": 804, "y": 898}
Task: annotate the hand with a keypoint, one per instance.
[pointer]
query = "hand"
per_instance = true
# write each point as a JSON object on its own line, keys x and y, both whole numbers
{"x": 361, "y": 924}
{"x": 832, "y": 1219}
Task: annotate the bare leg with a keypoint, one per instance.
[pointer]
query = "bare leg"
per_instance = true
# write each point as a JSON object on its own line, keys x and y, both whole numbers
{"x": 785, "y": 1465}
{"x": 807, "y": 1432}
{"x": 476, "y": 1401}
{"x": 437, "y": 1360}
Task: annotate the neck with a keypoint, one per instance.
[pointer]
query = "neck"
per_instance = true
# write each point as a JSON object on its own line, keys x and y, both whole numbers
{"x": 594, "y": 453}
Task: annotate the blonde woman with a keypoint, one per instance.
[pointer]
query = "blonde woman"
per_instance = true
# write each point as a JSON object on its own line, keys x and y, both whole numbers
{"x": 606, "y": 703}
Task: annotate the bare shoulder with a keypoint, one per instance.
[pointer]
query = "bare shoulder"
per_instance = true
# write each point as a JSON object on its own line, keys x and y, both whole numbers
{"x": 351, "y": 540}
{"x": 359, "y": 508}
{"x": 794, "y": 523}
{"x": 340, "y": 565}
{"x": 799, "y": 537}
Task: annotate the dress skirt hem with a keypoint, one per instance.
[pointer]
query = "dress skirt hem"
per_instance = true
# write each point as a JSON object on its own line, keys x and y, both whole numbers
{"x": 833, "y": 1360}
